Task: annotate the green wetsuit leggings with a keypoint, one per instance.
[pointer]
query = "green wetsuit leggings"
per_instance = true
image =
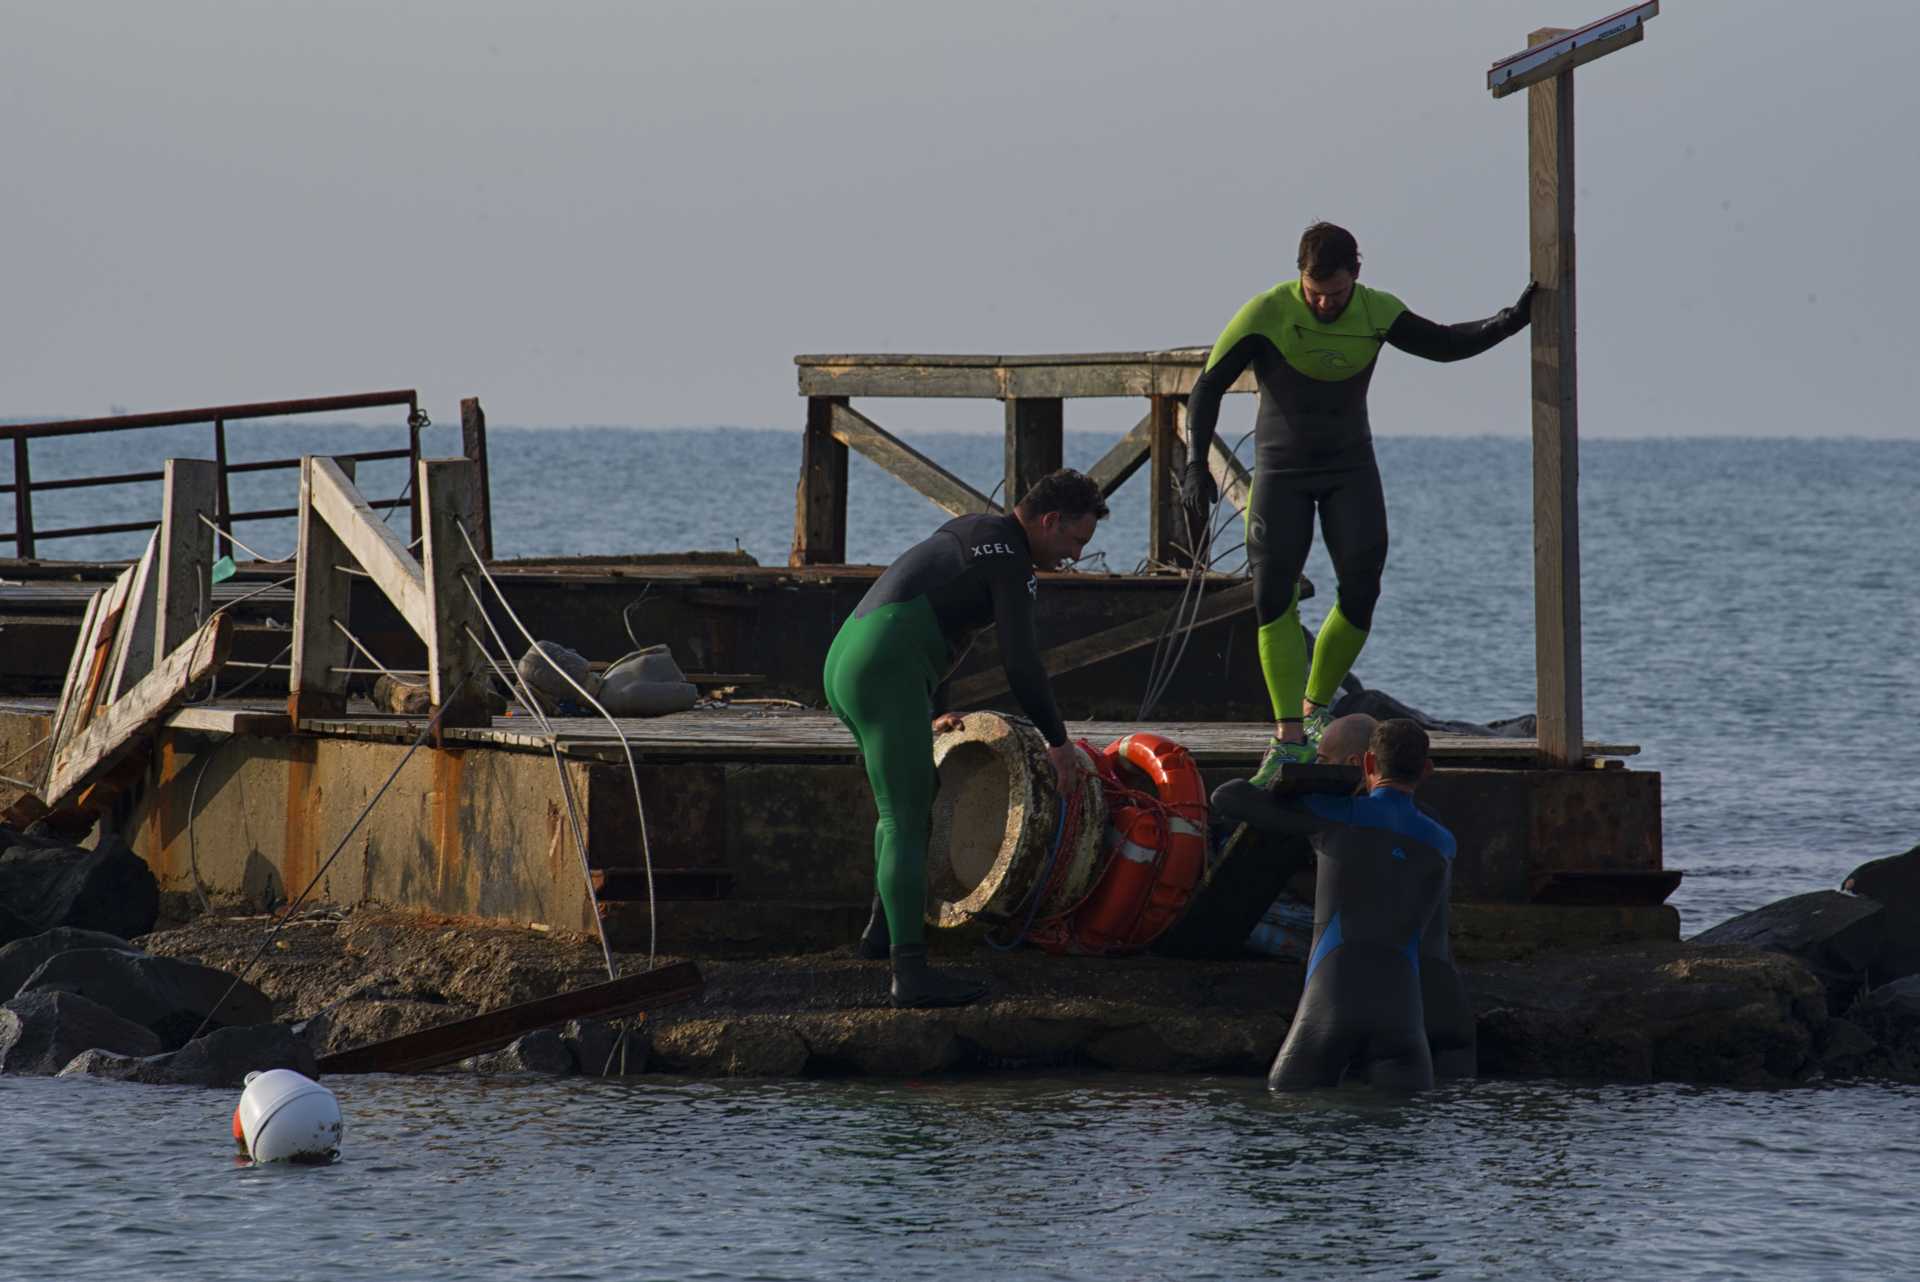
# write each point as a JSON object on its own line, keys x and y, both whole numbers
{"x": 880, "y": 677}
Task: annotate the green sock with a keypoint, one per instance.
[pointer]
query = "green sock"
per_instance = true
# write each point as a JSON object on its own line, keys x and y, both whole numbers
{"x": 1334, "y": 651}
{"x": 1283, "y": 661}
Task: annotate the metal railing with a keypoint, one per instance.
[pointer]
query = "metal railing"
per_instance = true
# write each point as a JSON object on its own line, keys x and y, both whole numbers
{"x": 25, "y": 537}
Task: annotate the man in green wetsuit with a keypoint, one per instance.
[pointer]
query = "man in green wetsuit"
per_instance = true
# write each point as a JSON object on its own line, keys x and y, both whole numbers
{"x": 1312, "y": 343}
{"x": 890, "y": 659}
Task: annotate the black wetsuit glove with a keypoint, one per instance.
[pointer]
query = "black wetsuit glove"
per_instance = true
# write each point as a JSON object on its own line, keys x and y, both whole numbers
{"x": 1197, "y": 495}
{"x": 1516, "y": 318}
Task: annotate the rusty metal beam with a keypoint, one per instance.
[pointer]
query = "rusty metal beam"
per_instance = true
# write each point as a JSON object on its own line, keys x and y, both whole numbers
{"x": 432, "y": 1047}
{"x": 174, "y": 418}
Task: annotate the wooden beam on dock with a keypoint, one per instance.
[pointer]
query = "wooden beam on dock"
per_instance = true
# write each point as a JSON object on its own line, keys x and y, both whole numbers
{"x": 820, "y": 498}
{"x": 926, "y": 477}
{"x": 92, "y": 751}
{"x": 1168, "y": 539}
{"x": 372, "y": 543}
{"x": 322, "y": 595}
{"x": 455, "y": 663}
{"x": 448, "y": 1043}
{"x": 1036, "y": 443}
{"x": 1556, "y": 430}
{"x": 133, "y": 650}
{"x": 1126, "y": 457}
{"x": 1109, "y": 643}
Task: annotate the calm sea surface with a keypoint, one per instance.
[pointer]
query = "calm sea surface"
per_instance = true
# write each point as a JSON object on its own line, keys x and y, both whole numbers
{"x": 1750, "y": 621}
{"x": 1088, "y": 1178}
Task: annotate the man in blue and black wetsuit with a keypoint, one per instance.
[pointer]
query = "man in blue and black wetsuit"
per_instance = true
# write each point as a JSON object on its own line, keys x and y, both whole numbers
{"x": 1382, "y": 874}
{"x": 892, "y": 656}
{"x": 1312, "y": 344}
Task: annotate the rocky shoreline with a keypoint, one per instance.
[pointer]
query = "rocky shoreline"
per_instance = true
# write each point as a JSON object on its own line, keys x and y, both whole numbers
{"x": 1795, "y": 992}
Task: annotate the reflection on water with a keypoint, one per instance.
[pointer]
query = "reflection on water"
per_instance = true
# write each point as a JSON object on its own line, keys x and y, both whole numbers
{"x": 1094, "y": 1177}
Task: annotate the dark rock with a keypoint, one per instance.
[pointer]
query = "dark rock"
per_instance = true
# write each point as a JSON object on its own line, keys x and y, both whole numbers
{"x": 1651, "y": 1012}
{"x": 1384, "y": 707}
{"x": 402, "y": 697}
{"x": 1845, "y": 1048}
{"x": 598, "y": 1047}
{"x": 222, "y": 1058}
{"x": 1891, "y": 1015}
{"x": 40, "y": 1032}
{"x": 1895, "y": 883}
{"x": 22, "y": 957}
{"x": 1838, "y": 936}
{"x": 13, "y": 926}
{"x": 169, "y": 996}
{"x": 541, "y": 1051}
{"x": 109, "y": 889}
{"x": 730, "y": 1048}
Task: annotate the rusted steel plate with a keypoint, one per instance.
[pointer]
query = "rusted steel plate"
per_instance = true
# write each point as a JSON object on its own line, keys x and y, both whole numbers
{"x": 433, "y": 1047}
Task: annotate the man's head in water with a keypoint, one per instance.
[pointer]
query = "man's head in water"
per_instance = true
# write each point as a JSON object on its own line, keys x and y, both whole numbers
{"x": 1345, "y": 741}
{"x": 1397, "y": 755}
{"x": 1059, "y": 514}
{"x": 1329, "y": 266}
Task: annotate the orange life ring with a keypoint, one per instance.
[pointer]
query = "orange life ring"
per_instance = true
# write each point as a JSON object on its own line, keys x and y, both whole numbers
{"x": 1158, "y": 850}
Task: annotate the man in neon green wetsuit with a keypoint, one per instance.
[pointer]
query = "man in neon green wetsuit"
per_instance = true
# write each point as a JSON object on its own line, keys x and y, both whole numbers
{"x": 891, "y": 657}
{"x": 1312, "y": 343}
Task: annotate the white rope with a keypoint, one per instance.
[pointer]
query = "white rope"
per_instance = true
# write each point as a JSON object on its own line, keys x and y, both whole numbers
{"x": 512, "y": 678}
{"x": 228, "y": 536}
{"x": 633, "y": 771}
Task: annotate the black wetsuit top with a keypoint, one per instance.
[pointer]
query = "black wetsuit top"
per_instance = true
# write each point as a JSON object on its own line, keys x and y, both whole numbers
{"x": 977, "y": 571}
{"x": 1313, "y": 375}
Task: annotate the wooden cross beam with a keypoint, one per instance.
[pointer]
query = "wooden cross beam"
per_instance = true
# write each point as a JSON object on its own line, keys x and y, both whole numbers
{"x": 1545, "y": 70}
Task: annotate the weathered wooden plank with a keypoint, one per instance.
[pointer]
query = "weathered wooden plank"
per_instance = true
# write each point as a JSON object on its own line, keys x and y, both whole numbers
{"x": 1556, "y": 435}
{"x": 473, "y": 446}
{"x": 1135, "y": 634}
{"x": 189, "y": 492}
{"x": 93, "y": 751}
{"x": 856, "y": 431}
{"x": 1126, "y": 457}
{"x": 890, "y": 380}
{"x": 455, "y": 665}
{"x": 1036, "y": 443}
{"x": 432, "y": 1047}
{"x": 133, "y": 649}
{"x": 1078, "y": 381}
{"x": 231, "y": 721}
{"x": 70, "y": 688}
{"x": 322, "y": 596}
{"x": 820, "y": 498}
{"x": 371, "y": 543}
{"x": 1168, "y": 539}
{"x": 106, "y": 631}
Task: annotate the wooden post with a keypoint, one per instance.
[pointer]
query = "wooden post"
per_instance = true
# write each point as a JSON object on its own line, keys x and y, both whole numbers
{"x": 133, "y": 654}
{"x": 456, "y": 669}
{"x": 413, "y": 474}
{"x": 1035, "y": 443}
{"x": 185, "y": 556}
{"x": 223, "y": 513}
{"x": 22, "y": 500}
{"x": 1556, "y": 435}
{"x": 473, "y": 444}
{"x": 820, "y": 506}
{"x": 321, "y": 594}
{"x": 1167, "y": 536}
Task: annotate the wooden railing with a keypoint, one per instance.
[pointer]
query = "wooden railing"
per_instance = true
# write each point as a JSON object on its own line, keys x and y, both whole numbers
{"x": 1033, "y": 391}
{"x": 25, "y": 537}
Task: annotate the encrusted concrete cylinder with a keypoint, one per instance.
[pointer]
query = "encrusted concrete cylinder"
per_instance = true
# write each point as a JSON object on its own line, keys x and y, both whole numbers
{"x": 994, "y": 820}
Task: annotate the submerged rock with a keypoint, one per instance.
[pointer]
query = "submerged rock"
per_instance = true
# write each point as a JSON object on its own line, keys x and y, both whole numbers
{"x": 598, "y": 1048}
{"x": 222, "y": 1058}
{"x": 541, "y": 1051}
{"x": 1891, "y": 1015}
{"x": 167, "y": 995}
{"x": 1651, "y": 1012}
{"x": 1838, "y": 936}
{"x": 52, "y": 884}
{"x": 22, "y": 957}
{"x": 40, "y": 1032}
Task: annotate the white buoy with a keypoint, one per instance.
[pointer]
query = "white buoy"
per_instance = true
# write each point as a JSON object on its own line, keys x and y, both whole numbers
{"x": 285, "y": 1117}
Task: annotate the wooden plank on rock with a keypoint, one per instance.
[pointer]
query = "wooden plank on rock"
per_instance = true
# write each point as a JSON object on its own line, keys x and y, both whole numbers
{"x": 432, "y": 1047}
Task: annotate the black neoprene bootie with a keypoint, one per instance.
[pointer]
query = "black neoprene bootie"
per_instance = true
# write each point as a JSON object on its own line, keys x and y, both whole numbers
{"x": 875, "y": 944}
{"x": 917, "y": 984}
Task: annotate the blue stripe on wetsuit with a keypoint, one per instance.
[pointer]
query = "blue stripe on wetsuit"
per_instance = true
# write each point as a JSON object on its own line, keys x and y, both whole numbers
{"x": 1393, "y": 810}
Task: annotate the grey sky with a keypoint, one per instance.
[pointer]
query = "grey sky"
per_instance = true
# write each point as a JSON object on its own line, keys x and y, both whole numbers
{"x": 637, "y": 213}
